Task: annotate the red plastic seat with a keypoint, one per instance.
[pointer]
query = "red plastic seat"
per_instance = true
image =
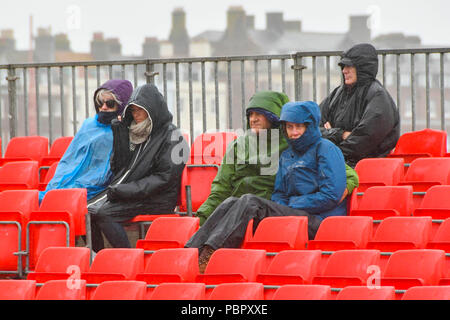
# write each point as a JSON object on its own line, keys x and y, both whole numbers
{"x": 441, "y": 239}
{"x": 338, "y": 233}
{"x": 169, "y": 232}
{"x": 25, "y": 149}
{"x": 427, "y": 293}
{"x": 366, "y": 293}
{"x": 210, "y": 148}
{"x": 179, "y": 291}
{"x": 419, "y": 144}
{"x": 435, "y": 203}
{"x": 233, "y": 265}
{"x": 424, "y": 173}
{"x": 19, "y": 175}
{"x": 15, "y": 209}
{"x": 401, "y": 233}
{"x": 59, "y": 263}
{"x": 115, "y": 264}
{"x": 17, "y": 289}
{"x": 408, "y": 268}
{"x": 62, "y": 290}
{"x": 379, "y": 172}
{"x": 238, "y": 291}
{"x": 347, "y": 268}
{"x": 303, "y": 292}
{"x": 291, "y": 267}
{"x": 57, "y": 149}
{"x": 275, "y": 234}
{"x": 383, "y": 202}
{"x": 48, "y": 176}
{"x": 120, "y": 290}
{"x": 171, "y": 265}
{"x": 68, "y": 208}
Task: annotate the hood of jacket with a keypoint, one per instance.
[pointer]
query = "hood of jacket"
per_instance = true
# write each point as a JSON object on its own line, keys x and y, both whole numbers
{"x": 121, "y": 88}
{"x": 364, "y": 58}
{"x": 306, "y": 112}
{"x": 148, "y": 97}
{"x": 270, "y": 101}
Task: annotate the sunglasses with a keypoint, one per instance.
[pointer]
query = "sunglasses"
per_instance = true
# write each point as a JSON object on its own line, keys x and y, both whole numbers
{"x": 110, "y": 104}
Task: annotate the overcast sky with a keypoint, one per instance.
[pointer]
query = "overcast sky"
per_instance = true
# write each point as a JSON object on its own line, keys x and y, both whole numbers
{"x": 133, "y": 20}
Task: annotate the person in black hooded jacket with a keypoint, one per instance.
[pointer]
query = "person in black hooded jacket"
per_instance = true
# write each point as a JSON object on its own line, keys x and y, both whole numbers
{"x": 360, "y": 116}
{"x": 149, "y": 155}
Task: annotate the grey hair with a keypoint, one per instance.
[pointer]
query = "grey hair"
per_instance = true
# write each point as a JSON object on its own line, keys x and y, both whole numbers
{"x": 101, "y": 92}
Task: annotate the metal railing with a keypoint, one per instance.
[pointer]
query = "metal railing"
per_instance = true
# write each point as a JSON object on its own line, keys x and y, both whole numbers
{"x": 210, "y": 93}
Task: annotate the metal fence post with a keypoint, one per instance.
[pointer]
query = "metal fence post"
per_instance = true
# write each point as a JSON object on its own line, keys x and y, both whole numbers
{"x": 150, "y": 73}
{"x": 12, "y": 97}
{"x": 298, "y": 76}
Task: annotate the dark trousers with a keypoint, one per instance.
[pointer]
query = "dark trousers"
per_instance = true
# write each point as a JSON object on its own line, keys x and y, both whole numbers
{"x": 226, "y": 226}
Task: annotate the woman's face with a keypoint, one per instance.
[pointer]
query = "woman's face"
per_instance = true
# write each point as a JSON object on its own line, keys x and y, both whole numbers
{"x": 138, "y": 113}
{"x": 108, "y": 104}
{"x": 295, "y": 130}
{"x": 349, "y": 73}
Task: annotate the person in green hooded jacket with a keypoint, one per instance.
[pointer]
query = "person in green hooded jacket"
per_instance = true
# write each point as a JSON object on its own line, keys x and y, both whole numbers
{"x": 251, "y": 161}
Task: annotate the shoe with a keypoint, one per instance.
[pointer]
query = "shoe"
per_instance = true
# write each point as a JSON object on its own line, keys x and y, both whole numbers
{"x": 204, "y": 257}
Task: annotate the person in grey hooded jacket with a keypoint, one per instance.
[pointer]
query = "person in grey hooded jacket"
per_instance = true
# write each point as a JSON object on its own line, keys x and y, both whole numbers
{"x": 149, "y": 155}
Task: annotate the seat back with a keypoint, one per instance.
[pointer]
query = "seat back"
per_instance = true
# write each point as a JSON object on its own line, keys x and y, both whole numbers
{"x": 342, "y": 232}
{"x": 426, "y": 172}
{"x": 435, "y": 203}
{"x": 59, "y": 146}
{"x": 61, "y": 260}
{"x": 120, "y": 290}
{"x": 26, "y": 148}
{"x": 19, "y": 175}
{"x": 379, "y": 172}
{"x": 303, "y": 292}
{"x": 20, "y": 201}
{"x": 366, "y": 293}
{"x": 171, "y": 265}
{"x": 426, "y": 142}
{"x": 275, "y": 234}
{"x": 17, "y": 289}
{"x": 48, "y": 175}
{"x": 179, "y": 291}
{"x": 169, "y": 232}
{"x": 396, "y": 233}
{"x": 238, "y": 291}
{"x": 427, "y": 293}
{"x": 443, "y": 232}
{"x": 210, "y": 148}
{"x": 382, "y": 202}
{"x": 62, "y": 290}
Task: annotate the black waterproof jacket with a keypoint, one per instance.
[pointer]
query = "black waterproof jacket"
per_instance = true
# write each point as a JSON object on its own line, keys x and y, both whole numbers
{"x": 366, "y": 109}
{"x": 149, "y": 177}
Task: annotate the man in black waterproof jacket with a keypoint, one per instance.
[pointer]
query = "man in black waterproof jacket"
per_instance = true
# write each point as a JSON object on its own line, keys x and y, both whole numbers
{"x": 360, "y": 116}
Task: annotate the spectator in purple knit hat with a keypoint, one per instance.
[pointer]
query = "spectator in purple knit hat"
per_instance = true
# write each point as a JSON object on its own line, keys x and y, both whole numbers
{"x": 86, "y": 162}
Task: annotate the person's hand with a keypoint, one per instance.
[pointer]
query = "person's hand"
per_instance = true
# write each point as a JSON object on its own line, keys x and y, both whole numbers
{"x": 346, "y": 134}
{"x": 112, "y": 193}
{"x": 119, "y": 117}
{"x": 344, "y": 195}
{"x": 327, "y": 125}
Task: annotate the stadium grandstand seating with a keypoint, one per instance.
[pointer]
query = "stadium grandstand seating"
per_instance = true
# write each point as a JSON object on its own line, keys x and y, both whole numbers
{"x": 366, "y": 293}
{"x": 427, "y": 293}
{"x": 238, "y": 291}
{"x": 25, "y": 149}
{"x": 19, "y": 175}
{"x": 303, "y": 292}
{"x": 50, "y": 172}
{"x": 120, "y": 290}
{"x": 179, "y": 291}
{"x": 62, "y": 290}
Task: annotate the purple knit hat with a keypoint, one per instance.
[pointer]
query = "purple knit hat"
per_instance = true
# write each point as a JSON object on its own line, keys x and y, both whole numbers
{"x": 121, "y": 88}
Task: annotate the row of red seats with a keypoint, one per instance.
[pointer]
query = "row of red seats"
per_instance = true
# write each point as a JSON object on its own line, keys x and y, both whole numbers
{"x": 136, "y": 290}
{"x": 405, "y": 268}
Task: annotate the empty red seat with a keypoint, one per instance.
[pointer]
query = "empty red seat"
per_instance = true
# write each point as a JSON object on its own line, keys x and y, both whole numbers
{"x": 233, "y": 265}
{"x": 210, "y": 148}
{"x": 366, "y": 293}
{"x": 115, "y": 264}
{"x": 427, "y": 293}
{"x": 19, "y": 175}
{"x": 58, "y": 263}
{"x": 383, "y": 202}
{"x": 435, "y": 203}
{"x": 169, "y": 232}
{"x": 441, "y": 239}
{"x": 171, "y": 265}
{"x": 120, "y": 290}
{"x": 348, "y": 267}
{"x": 379, "y": 172}
{"x": 342, "y": 232}
{"x": 424, "y": 173}
{"x": 419, "y": 144}
{"x": 303, "y": 292}
{"x": 17, "y": 289}
{"x": 15, "y": 209}
{"x": 275, "y": 234}
{"x": 25, "y": 149}
{"x": 48, "y": 176}
{"x": 397, "y": 233}
{"x": 179, "y": 291}
{"x": 291, "y": 267}
{"x": 57, "y": 149}
{"x": 62, "y": 290}
{"x": 238, "y": 291}
{"x": 418, "y": 267}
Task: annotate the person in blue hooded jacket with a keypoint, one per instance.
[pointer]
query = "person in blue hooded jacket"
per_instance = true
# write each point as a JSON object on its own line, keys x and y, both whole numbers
{"x": 86, "y": 162}
{"x": 310, "y": 181}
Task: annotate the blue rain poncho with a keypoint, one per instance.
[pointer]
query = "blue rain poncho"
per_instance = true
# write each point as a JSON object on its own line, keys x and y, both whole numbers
{"x": 86, "y": 162}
